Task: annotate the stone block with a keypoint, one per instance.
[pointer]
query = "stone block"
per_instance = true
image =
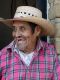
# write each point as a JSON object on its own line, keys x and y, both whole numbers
{"x": 57, "y": 10}
{"x": 56, "y": 1}
{"x": 51, "y": 12}
{"x": 57, "y": 25}
{"x": 50, "y": 1}
{"x": 54, "y": 11}
{"x": 57, "y": 44}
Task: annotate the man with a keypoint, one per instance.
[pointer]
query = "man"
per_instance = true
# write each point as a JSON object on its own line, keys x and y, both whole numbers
{"x": 27, "y": 57}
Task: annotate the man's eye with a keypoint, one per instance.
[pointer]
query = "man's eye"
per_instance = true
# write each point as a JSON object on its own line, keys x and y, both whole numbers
{"x": 22, "y": 28}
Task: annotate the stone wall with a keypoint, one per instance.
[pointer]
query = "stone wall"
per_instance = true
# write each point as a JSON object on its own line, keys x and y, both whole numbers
{"x": 54, "y": 17}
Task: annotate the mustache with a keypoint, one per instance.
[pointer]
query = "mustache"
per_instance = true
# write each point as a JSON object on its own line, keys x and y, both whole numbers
{"x": 20, "y": 37}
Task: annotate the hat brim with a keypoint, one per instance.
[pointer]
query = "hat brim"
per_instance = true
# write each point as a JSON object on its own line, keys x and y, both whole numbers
{"x": 47, "y": 27}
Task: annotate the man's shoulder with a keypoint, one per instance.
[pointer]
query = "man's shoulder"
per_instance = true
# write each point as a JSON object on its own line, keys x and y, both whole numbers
{"x": 4, "y": 50}
{"x": 48, "y": 47}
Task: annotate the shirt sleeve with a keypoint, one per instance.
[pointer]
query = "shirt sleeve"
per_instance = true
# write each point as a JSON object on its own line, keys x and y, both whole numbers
{"x": 56, "y": 71}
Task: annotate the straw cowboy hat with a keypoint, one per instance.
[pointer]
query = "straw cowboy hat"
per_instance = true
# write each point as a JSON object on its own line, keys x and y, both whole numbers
{"x": 31, "y": 14}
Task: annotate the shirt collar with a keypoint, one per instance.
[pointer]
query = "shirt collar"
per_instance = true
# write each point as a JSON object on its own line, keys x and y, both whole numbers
{"x": 39, "y": 45}
{"x": 14, "y": 48}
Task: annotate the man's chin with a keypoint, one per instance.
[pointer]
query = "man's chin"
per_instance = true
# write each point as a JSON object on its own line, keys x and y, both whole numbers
{"x": 21, "y": 48}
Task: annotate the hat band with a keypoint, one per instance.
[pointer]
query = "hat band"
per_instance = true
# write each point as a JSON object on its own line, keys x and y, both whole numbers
{"x": 25, "y": 14}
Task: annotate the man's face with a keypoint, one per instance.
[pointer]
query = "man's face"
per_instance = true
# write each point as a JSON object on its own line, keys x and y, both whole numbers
{"x": 24, "y": 38}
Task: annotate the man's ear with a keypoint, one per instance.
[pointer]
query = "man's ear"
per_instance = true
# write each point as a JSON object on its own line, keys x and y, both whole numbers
{"x": 38, "y": 30}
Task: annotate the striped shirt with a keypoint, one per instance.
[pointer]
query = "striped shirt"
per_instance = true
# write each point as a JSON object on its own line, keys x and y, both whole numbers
{"x": 43, "y": 66}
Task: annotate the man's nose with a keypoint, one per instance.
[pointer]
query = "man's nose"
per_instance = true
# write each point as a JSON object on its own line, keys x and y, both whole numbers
{"x": 18, "y": 33}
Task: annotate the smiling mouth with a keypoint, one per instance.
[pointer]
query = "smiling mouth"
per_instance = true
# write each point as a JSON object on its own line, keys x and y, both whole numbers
{"x": 20, "y": 39}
